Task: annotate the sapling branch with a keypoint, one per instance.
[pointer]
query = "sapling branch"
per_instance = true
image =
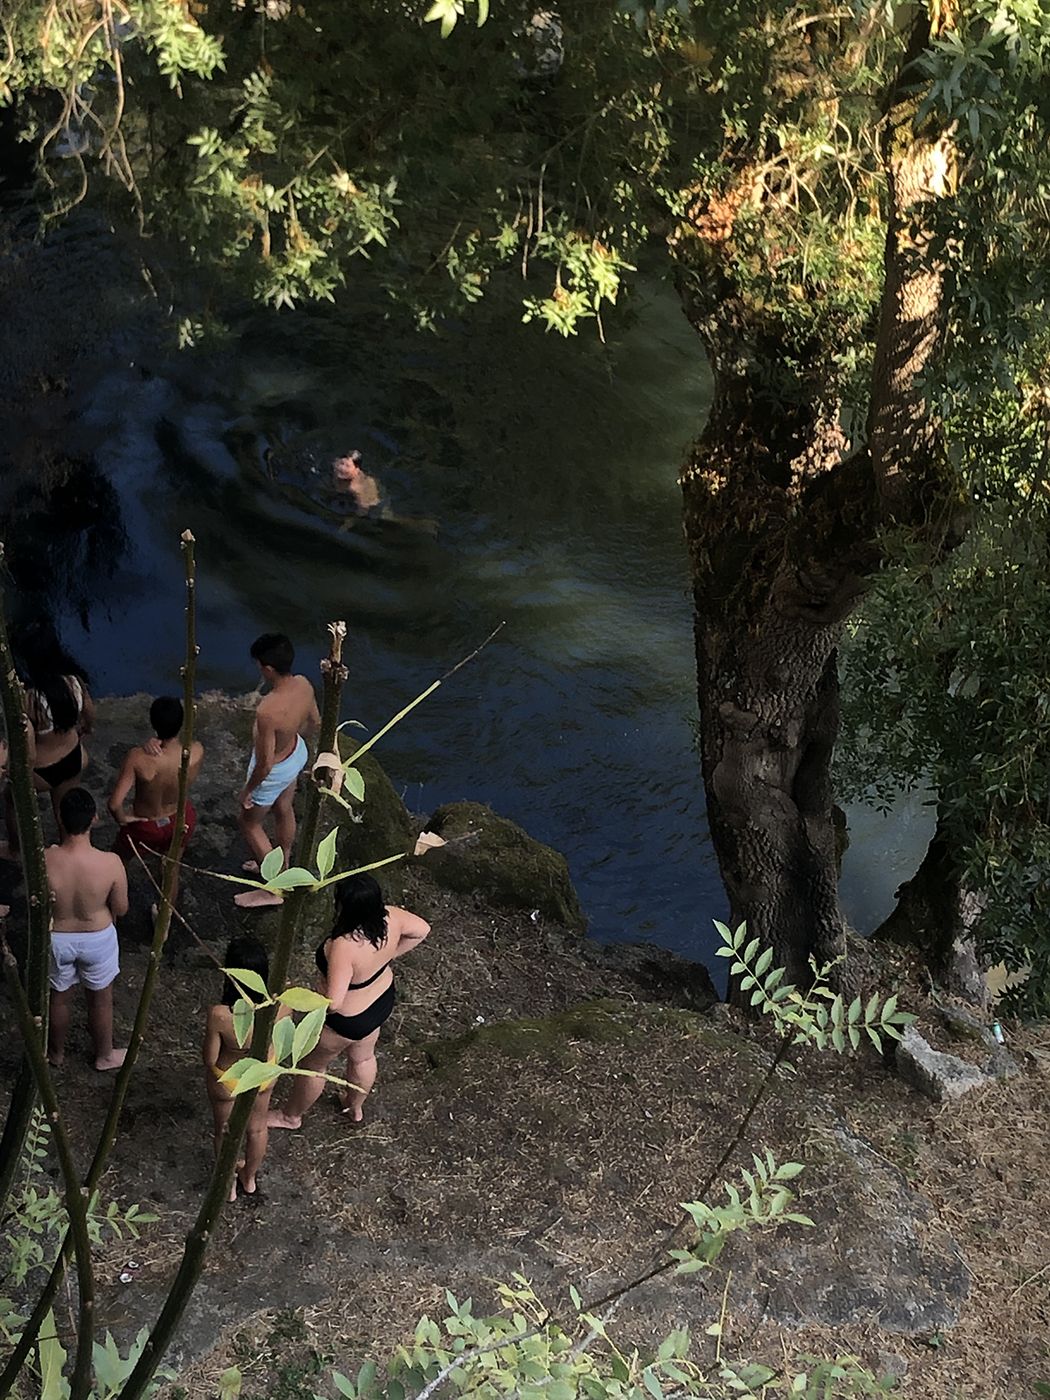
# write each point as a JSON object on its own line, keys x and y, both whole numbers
{"x": 76, "y": 1196}
{"x": 107, "y": 1135}
{"x": 38, "y": 891}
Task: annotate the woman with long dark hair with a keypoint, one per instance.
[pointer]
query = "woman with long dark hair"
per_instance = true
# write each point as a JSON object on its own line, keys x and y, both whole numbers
{"x": 356, "y": 976}
{"x": 220, "y": 1051}
{"x": 60, "y": 712}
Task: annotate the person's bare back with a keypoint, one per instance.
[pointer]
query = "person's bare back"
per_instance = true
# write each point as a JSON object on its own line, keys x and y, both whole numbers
{"x": 156, "y": 778}
{"x": 283, "y": 715}
{"x": 89, "y": 888}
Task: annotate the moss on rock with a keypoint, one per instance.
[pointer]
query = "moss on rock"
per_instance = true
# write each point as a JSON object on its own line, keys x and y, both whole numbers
{"x": 491, "y": 856}
{"x": 551, "y": 1038}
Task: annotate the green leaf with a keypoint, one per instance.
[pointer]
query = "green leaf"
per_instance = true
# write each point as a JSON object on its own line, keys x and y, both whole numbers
{"x": 256, "y": 1072}
{"x": 855, "y": 1009}
{"x": 787, "y": 1171}
{"x": 343, "y": 1385}
{"x": 307, "y": 1033}
{"x": 245, "y": 978}
{"x": 326, "y": 853}
{"x": 272, "y": 863}
{"x": 230, "y": 1383}
{"x": 51, "y": 1355}
{"x": 763, "y": 962}
{"x": 243, "y": 1020}
{"x": 355, "y": 783}
{"x": 302, "y": 999}
{"x": 295, "y": 877}
{"x": 283, "y": 1032}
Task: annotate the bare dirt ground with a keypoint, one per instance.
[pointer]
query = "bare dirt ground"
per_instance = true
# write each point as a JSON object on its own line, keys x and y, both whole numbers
{"x": 541, "y": 1108}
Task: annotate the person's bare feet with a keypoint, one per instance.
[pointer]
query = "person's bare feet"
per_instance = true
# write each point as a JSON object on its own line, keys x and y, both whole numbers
{"x": 257, "y": 899}
{"x": 248, "y": 1184}
{"x": 355, "y": 1114}
{"x": 233, "y": 1189}
{"x": 56, "y": 1061}
{"x": 113, "y": 1060}
{"x": 250, "y": 867}
{"x": 276, "y": 1119}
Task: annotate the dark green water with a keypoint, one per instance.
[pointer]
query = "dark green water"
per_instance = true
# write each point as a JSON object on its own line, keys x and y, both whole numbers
{"x": 549, "y": 471}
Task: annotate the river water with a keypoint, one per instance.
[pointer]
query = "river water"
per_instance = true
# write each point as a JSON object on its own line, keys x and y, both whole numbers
{"x": 535, "y": 485}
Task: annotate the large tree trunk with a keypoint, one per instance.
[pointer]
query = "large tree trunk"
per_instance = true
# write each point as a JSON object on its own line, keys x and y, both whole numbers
{"x": 783, "y": 525}
{"x": 767, "y": 629}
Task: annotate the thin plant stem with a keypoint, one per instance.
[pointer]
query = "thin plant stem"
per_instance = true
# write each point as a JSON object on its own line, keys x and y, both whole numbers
{"x": 108, "y": 1134}
{"x": 31, "y": 845}
{"x": 200, "y": 1235}
{"x": 76, "y": 1195}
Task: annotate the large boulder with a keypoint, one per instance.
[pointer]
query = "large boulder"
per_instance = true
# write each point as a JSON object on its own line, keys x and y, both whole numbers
{"x": 492, "y": 857}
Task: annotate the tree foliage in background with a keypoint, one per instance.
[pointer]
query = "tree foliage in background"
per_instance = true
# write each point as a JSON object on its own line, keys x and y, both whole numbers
{"x": 948, "y": 689}
{"x": 850, "y": 202}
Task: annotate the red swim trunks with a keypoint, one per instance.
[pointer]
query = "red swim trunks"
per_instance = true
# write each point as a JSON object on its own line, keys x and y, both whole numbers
{"x": 153, "y": 835}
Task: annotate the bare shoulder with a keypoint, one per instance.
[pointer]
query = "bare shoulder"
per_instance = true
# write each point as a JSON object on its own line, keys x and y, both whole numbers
{"x": 108, "y": 860}
{"x": 306, "y": 686}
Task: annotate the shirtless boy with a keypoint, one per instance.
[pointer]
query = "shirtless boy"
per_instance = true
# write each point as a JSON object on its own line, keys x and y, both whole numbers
{"x": 152, "y": 770}
{"x": 283, "y": 715}
{"x": 89, "y": 891}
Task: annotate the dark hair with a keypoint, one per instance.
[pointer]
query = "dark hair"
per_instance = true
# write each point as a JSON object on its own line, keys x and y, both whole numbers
{"x": 359, "y": 908}
{"x": 165, "y": 715}
{"x": 77, "y": 811}
{"x": 45, "y": 664}
{"x": 274, "y": 649}
{"x": 247, "y": 952}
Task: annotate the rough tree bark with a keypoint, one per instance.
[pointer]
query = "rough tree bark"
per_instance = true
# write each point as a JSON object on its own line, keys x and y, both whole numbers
{"x": 782, "y": 523}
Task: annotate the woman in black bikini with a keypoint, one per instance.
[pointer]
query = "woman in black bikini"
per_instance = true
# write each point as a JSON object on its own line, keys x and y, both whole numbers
{"x": 356, "y": 977}
{"x": 60, "y": 713}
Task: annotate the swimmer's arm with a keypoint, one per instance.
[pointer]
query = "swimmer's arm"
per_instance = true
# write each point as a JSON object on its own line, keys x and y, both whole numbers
{"x": 196, "y": 759}
{"x": 212, "y": 1043}
{"x": 340, "y": 970}
{"x": 313, "y": 723}
{"x": 411, "y": 933}
{"x": 265, "y": 741}
{"x": 118, "y": 892}
{"x": 86, "y": 722}
{"x": 121, "y": 788}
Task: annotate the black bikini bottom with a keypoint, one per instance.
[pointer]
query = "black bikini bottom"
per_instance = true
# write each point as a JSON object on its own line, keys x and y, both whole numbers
{"x": 365, "y": 1022}
{"x": 65, "y": 768}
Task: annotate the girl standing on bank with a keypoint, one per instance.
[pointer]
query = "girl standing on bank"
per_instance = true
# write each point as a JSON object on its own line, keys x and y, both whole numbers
{"x": 354, "y": 963}
{"x": 220, "y": 1051}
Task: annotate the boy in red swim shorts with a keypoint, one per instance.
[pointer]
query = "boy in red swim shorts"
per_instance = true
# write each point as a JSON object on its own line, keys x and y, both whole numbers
{"x": 153, "y": 771}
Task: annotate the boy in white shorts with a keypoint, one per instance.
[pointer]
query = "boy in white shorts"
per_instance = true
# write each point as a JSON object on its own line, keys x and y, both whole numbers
{"x": 89, "y": 891}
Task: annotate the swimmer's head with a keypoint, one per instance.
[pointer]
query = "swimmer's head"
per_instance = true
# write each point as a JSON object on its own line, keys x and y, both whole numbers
{"x": 347, "y": 467}
{"x": 274, "y": 653}
{"x": 165, "y": 715}
{"x": 77, "y": 811}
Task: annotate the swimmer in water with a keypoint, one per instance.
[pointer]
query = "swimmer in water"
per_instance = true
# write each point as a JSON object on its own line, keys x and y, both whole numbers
{"x": 350, "y": 479}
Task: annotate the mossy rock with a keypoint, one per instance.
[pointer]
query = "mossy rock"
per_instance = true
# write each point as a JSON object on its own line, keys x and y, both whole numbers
{"x": 602, "y": 1021}
{"x": 548, "y": 1037}
{"x": 494, "y": 858}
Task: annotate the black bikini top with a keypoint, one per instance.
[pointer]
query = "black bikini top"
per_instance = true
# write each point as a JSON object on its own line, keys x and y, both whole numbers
{"x": 321, "y": 958}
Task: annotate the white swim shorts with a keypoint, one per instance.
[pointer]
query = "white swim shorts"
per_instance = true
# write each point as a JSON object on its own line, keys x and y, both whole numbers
{"x": 280, "y": 776}
{"x": 90, "y": 958}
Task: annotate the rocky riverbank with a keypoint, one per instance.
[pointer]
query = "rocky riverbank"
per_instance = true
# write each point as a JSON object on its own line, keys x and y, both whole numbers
{"x": 544, "y": 1104}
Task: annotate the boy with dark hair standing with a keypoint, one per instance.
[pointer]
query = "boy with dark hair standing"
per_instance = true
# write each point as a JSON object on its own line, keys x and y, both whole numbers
{"x": 152, "y": 770}
{"x": 89, "y": 891}
{"x": 284, "y": 714}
